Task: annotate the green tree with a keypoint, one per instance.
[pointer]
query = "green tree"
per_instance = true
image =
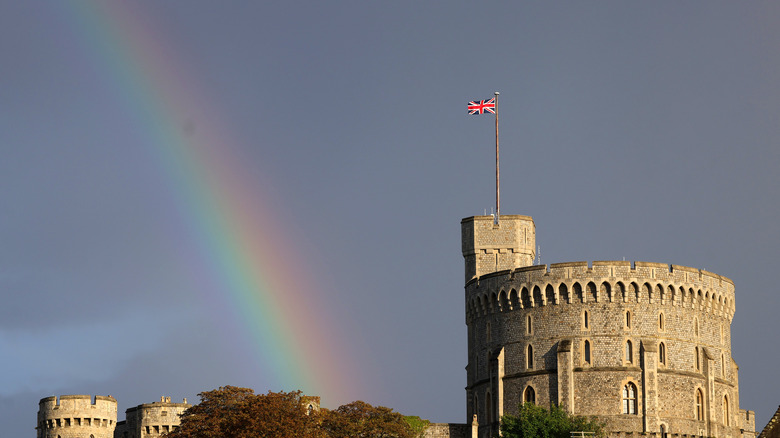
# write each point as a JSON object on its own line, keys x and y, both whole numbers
{"x": 537, "y": 422}
{"x": 417, "y": 425}
{"x": 232, "y": 412}
{"x": 360, "y": 419}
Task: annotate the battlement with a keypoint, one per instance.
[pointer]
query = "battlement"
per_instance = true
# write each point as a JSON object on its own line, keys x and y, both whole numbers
{"x": 68, "y": 402}
{"x": 616, "y": 269}
{"x": 77, "y": 415}
{"x": 165, "y": 402}
{"x": 601, "y": 281}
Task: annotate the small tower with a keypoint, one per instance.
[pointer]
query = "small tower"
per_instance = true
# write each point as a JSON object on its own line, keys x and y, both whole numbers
{"x": 151, "y": 420}
{"x": 76, "y": 416}
{"x": 491, "y": 247}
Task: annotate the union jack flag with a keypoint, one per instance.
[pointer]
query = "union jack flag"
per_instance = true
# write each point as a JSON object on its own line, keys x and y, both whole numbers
{"x": 476, "y": 107}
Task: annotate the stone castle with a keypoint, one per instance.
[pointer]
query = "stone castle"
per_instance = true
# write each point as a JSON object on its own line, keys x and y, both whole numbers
{"x": 644, "y": 347}
{"x": 82, "y": 416}
{"x": 85, "y": 416}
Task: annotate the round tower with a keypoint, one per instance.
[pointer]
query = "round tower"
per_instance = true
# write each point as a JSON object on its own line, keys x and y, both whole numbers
{"x": 77, "y": 416}
{"x": 152, "y": 419}
{"x": 645, "y": 347}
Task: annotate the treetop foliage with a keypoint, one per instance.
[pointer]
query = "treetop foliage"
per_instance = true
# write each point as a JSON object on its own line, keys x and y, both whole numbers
{"x": 535, "y": 421}
{"x": 360, "y": 419}
{"x": 417, "y": 425}
{"x": 233, "y": 412}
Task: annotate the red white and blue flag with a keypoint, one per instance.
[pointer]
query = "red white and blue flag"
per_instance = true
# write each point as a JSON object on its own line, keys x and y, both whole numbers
{"x": 476, "y": 107}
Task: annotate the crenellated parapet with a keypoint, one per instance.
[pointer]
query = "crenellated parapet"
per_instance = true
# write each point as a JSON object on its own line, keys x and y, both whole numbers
{"x": 602, "y": 281}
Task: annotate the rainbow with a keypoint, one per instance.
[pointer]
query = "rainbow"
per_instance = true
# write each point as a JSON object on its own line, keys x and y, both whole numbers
{"x": 247, "y": 249}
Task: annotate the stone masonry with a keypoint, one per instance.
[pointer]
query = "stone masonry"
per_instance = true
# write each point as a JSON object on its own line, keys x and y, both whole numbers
{"x": 82, "y": 416}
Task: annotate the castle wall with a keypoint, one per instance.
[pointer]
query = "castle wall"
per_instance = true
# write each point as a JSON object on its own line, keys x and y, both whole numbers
{"x": 76, "y": 416}
{"x": 447, "y": 430}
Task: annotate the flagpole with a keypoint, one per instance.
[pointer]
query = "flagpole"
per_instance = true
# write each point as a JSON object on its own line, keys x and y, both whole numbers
{"x": 498, "y": 186}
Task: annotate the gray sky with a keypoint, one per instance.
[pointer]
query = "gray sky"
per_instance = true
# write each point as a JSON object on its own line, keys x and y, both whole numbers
{"x": 645, "y": 131}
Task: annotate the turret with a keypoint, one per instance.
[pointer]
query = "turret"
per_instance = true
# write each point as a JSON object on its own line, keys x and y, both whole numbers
{"x": 491, "y": 247}
{"x": 76, "y": 416}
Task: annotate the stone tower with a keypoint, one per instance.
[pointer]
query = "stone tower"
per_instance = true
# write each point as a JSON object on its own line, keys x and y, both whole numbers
{"x": 645, "y": 347}
{"x": 489, "y": 247}
{"x": 151, "y": 420}
{"x": 76, "y": 416}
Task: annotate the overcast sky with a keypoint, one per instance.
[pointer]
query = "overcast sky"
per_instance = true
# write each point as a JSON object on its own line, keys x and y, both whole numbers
{"x": 337, "y": 133}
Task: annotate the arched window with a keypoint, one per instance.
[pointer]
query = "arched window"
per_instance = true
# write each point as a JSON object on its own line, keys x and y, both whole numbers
{"x": 586, "y": 352}
{"x": 529, "y": 357}
{"x": 563, "y": 294}
{"x": 663, "y": 431}
{"x": 585, "y": 322}
{"x": 629, "y": 352}
{"x": 722, "y": 365}
{"x": 696, "y": 326}
{"x": 699, "y": 405}
{"x": 661, "y": 321}
{"x": 629, "y": 399}
{"x": 529, "y": 395}
{"x": 549, "y": 295}
{"x": 726, "y": 410}
{"x": 662, "y": 353}
{"x": 628, "y": 319}
{"x": 696, "y": 360}
{"x": 529, "y": 325}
